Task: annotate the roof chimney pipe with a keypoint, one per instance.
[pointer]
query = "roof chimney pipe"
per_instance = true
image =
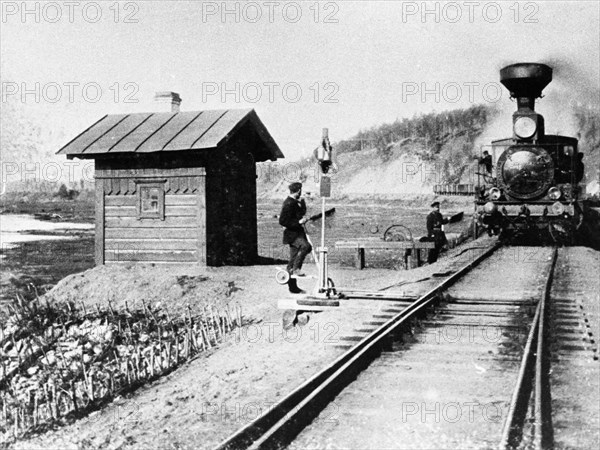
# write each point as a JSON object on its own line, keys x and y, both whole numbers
{"x": 168, "y": 101}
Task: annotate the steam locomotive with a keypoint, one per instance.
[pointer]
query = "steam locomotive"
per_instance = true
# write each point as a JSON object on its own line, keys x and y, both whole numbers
{"x": 534, "y": 195}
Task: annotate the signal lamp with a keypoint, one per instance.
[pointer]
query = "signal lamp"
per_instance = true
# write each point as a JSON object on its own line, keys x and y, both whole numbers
{"x": 558, "y": 208}
{"x": 554, "y": 193}
{"x": 569, "y": 150}
{"x": 494, "y": 193}
{"x": 525, "y": 127}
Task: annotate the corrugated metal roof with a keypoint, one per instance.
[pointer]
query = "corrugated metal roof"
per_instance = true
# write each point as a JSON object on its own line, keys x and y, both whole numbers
{"x": 159, "y": 132}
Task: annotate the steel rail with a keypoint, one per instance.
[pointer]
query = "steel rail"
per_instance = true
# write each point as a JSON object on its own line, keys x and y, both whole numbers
{"x": 534, "y": 367}
{"x": 543, "y": 437}
{"x": 280, "y": 424}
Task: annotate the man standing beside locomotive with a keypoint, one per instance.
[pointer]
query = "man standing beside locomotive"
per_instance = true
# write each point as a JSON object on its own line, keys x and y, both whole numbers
{"x": 292, "y": 218}
{"x": 486, "y": 162}
{"x": 435, "y": 220}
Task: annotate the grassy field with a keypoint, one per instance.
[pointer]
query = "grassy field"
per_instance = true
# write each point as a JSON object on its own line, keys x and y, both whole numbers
{"x": 79, "y": 210}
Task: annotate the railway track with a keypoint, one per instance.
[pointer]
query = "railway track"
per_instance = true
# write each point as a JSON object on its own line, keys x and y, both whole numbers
{"x": 452, "y": 369}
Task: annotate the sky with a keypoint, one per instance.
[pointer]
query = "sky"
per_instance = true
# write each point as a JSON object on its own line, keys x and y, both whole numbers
{"x": 304, "y": 66}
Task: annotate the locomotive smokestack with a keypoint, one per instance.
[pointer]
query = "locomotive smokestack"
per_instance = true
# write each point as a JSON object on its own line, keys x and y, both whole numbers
{"x": 525, "y": 82}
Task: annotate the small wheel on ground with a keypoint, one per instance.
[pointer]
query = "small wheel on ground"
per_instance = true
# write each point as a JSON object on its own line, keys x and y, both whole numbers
{"x": 282, "y": 276}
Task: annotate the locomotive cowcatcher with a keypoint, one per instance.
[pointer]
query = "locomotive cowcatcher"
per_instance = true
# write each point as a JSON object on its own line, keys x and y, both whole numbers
{"x": 532, "y": 195}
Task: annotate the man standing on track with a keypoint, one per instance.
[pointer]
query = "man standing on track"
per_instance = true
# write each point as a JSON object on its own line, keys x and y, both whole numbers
{"x": 292, "y": 218}
{"x": 435, "y": 220}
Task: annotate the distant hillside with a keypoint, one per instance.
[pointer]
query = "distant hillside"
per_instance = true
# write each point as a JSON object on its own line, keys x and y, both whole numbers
{"x": 29, "y": 140}
{"x": 404, "y": 157}
{"x": 409, "y": 156}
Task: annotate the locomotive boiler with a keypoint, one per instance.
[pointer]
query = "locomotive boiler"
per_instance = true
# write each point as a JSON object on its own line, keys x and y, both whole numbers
{"x": 533, "y": 192}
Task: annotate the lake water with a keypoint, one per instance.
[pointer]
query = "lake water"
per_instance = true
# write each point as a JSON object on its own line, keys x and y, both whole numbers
{"x": 14, "y": 229}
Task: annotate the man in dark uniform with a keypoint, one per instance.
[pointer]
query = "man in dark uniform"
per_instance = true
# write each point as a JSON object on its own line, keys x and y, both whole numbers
{"x": 435, "y": 220}
{"x": 486, "y": 161}
{"x": 292, "y": 218}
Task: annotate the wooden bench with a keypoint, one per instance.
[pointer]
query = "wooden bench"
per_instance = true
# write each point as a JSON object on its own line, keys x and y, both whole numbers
{"x": 412, "y": 259}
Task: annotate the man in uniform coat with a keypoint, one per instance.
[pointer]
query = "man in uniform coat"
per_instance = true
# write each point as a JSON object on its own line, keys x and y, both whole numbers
{"x": 292, "y": 218}
{"x": 486, "y": 161}
{"x": 435, "y": 220}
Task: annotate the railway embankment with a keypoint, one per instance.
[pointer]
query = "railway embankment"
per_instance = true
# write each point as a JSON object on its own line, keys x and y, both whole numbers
{"x": 225, "y": 387}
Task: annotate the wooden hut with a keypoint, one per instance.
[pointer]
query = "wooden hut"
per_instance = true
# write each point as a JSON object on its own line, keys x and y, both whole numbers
{"x": 176, "y": 187}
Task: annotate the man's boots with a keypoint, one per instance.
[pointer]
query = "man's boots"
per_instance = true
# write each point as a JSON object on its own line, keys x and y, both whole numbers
{"x": 293, "y": 287}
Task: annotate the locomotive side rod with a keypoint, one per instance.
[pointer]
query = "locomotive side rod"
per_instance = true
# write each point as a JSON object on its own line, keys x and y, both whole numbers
{"x": 281, "y": 423}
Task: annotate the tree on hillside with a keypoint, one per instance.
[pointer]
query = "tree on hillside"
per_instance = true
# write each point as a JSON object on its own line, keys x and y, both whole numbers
{"x": 26, "y": 140}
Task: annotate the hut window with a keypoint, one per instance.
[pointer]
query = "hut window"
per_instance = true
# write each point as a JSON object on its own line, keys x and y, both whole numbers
{"x": 151, "y": 200}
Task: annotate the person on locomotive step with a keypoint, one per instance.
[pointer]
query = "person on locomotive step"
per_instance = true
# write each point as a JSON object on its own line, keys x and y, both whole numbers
{"x": 292, "y": 218}
{"x": 486, "y": 161}
{"x": 435, "y": 220}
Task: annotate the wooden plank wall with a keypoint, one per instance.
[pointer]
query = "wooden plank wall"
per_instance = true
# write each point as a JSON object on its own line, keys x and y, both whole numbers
{"x": 99, "y": 235}
{"x": 121, "y": 237}
{"x": 175, "y": 239}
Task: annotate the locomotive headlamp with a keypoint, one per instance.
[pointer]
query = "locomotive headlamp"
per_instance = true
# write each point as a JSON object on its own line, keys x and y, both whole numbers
{"x": 558, "y": 208}
{"x": 494, "y": 193}
{"x": 554, "y": 193}
{"x": 569, "y": 150}
{"x": 525, "y": 127}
